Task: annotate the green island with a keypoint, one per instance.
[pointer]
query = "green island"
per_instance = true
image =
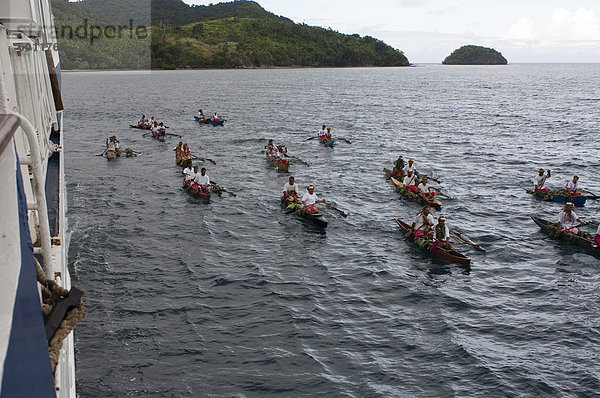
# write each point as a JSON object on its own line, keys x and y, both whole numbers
{"x": 169, "y": 34}
{"x": 475, "y": 55}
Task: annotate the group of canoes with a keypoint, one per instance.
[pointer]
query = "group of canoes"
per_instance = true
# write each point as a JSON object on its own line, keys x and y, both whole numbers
{"x": 428, "y": 233}
{"x": 215, "y": 120}
{"x": 157, "y": 129}
{"x": 567, "y": 225}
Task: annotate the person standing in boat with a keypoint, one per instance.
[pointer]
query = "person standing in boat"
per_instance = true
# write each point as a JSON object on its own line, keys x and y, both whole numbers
{"x": 202, "y": 181}
{"x": 441, "y": 234}
{"x": 410, "y": 181}
{"x": 322, "y": 132}
{"x": 422, "y": 223}
{"x": 539, "y": 180}
{"x": 290, "y": 190}
{"x": 410, "y": 167}
{"x": 309, "y": 199}
{"x": 567, "y": 219}
{"x": 571, "y": 187}
{"x": 425, "y": 190}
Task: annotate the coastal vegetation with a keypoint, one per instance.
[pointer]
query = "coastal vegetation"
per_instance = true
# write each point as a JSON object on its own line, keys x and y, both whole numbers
{"x": 475, "y": 55}
{"x": 238, "y": 34}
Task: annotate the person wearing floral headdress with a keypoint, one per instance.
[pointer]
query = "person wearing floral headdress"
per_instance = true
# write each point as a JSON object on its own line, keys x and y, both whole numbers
{"x": 539, "y": 180}
{"x": 441, "y": 234}
{"x": 567, "y": 219}
{"x": 309, "y": 199}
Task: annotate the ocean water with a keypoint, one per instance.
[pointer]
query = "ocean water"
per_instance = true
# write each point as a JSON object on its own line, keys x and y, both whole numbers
{"x": 236, "y": 298}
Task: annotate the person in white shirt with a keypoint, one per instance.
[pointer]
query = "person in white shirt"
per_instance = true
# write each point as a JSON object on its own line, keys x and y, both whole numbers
{"x": 280, "y": 153}
{"x": 270, "y": 147}
{"x": 539, "y": 180}
{"x": 290, "y": 190}
{"x": 567, "y": 219}
{"x": 441, "y": 234}
{"x": 188, "y": 172}
{"x": 202, "y": 180}
{"x": 410, "y": 166}
{"x": 309, "y": 199}
{"x": 571, "y": 187}
{"x": 425, "y": 189}
{"x": 216, "y": 117}
{"x": 322, "y": 132}
{"x": 422, "y": 223}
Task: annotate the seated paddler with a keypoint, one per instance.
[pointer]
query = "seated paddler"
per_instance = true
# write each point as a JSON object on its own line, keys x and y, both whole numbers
{"x": 202, "y": 181}
{"x": 410, "y": 181}
{"x": 290, "y": 190}
{"x": 568, "y": 220}
{"x": 540, "y": 180}
{"x": 422, "y": 223}
{"x": 441, "y": 234}
{"x": 310, "y": 199}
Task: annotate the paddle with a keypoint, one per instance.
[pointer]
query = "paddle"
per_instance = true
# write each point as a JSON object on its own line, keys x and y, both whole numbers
{"x": 102, "y": 154}
{"x": 591, "y": 195}
{"x": 464, "y": 239}
{"x": 343, "y": 139}
{"x": 174, "y": 135}
{"x": 220, "y": 188}
{"x": 332, "y": 207}
{"x": 439, "y": 191}
{"x": 194, "y": 157}
{"x": 298, "y": 159}
{"x": 311, "y": 138}
{"x": 429, "y": 178}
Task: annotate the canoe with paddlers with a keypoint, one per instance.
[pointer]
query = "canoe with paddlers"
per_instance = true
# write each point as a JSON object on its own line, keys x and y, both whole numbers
{"x": 417, "y": 197}
{"x": 193, "y": 189}
{"x": 281, "y": 164}
{"x": 295, "y": 206}
{"x": 209, "y": 121}
{"x": 450, "y": 255}
{"x": 582, "y": 239}
{"x": 559, "y": 196}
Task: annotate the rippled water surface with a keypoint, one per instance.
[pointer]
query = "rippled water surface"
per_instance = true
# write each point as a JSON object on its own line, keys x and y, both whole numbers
{"x": 236, "y": 298}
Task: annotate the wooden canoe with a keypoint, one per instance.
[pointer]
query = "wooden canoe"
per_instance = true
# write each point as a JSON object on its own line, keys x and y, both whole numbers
{"x": 314, "y": 218}
{"x": 450, "y": 255}
{"x": 550, "y": 229}
{"x": 137, "y": 126}
{"x": 578, "y": 200}
{"x": 283, "y": 166}
{"x": 209, "y": 121}
{"x": 436, "y": 204}
{"x": 195, "y": 192}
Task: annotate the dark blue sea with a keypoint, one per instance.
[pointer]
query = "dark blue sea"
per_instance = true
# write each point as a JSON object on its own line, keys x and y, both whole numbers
{"x": 236, "y": 298}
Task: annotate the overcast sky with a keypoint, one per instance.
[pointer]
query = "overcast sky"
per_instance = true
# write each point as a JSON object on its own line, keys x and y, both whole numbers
{"x": 429, "y": 30}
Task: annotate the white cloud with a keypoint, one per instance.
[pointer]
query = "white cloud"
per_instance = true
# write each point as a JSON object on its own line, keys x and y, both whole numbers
{"x": 523, "y": 29}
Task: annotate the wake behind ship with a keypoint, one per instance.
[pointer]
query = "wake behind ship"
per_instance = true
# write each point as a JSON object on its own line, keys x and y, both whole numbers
{"x": 39, "y": 307}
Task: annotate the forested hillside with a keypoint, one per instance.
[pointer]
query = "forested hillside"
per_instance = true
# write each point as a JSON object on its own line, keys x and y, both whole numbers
{"x": 238, "y": 34}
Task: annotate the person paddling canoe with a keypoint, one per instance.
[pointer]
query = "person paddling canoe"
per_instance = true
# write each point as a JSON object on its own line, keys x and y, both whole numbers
{"x": 290, "y": 190}
{"x": 201, "y": 114}
{"x": 410, "y": 181}
{"x": 422, "y": 223}
{"x": 309, "y": 199}
{"x": 328, "y": 134}
{"x": 202, "y": 181}
{"x": 539, "y": 180}
{"x": 410, "y": 167}
{"x": 425, "y": 190}
{"x": 441, "y": 234}
{"x": 323, "y": 132}
{"x": 188, "y": 172}
{"x": 399, "y": 167}
{"x": 571, "y": 188}
{"x": 567, "y": 219}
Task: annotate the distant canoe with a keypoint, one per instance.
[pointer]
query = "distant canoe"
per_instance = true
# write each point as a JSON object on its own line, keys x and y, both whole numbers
{"x": 550, "y": 228}
{"x": 554, "y": 196}
{"x": 209, "y": 121}
{"x": 283, "y": 166}
{"x": 450, "y": 255}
